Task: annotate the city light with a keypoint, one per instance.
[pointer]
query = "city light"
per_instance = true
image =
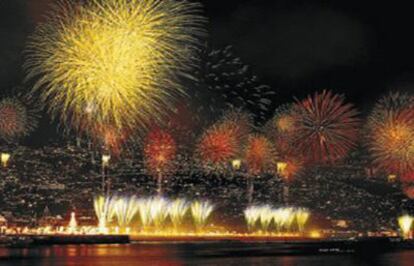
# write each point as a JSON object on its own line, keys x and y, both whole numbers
{"x": 236, "y": 164}
{"x": 5, "y": 157}
{"x": 105, "y": 160}
{"x": 281, "y": 167}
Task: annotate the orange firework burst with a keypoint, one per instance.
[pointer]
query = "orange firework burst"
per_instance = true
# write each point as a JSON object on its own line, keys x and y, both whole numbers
{"x": 242, "y": 119}
{"x": 111, "y": 138}
{"x": 326, "y": 128}
{"x": 391, "y": 133}
{"x": 281, "y": 127}
{"x": 222, "y": 142}
{"x": 159, "y": 152}
{"x": 259, "y": 154}
{"x": 16, "y": 120}
{"x": 284, "y": 119}
{"x": 291, "y": 167}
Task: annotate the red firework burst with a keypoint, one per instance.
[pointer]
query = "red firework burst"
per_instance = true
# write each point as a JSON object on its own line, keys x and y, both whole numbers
{"x": 15, "y": 120}
{"x": 409, "y": 191}
{"x": 326, "y": 128}
{"x": 112, "y": 139}
{"x": 408, "y": 177}
{"x": 391, "y": 133}
{"x": 259, "y": 154}
{"x": 219, "y": 144}
{"x": 159, "y": 152}
{"x": 222, "y": 142}
{"x": 291, "y": 167}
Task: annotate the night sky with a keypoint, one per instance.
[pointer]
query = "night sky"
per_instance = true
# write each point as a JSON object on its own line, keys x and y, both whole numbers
{"x": 354, "y": 47}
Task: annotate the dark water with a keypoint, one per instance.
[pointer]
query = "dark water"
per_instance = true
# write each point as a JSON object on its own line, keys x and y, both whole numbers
{"x": 184, "y": 254}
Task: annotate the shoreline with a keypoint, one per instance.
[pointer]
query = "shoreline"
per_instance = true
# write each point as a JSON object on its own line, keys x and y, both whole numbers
{"x": 227, "y": 246}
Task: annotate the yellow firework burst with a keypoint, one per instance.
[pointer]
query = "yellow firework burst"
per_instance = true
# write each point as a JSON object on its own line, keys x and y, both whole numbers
{"x": 113, "y": 61}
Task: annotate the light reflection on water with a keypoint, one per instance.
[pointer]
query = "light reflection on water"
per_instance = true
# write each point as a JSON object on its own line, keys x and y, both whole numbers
{"x": 182, "y": 254}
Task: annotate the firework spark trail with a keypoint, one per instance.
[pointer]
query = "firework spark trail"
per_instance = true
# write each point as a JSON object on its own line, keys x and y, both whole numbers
{"x": 231, "y": 83}
{"x": 278, "y": 222}
{"x": 160, "y": 151}
{"x": 105, "y": 210}
{"x": 282, "y": 218}
{"x": 252, "y": 216}
{"x": 126, "y": 209}
{"x": 391, "y": 133}
{"x": 326, "y": 129}
{"x": 144, "y": 210}
{"x": 177, "y": 210}
{"x": 123, "y": 58}
{"x": 302, "y": 217}
{"x": 158, "y": 211}
{"x": 201, "y": 211}
{"x": 405, "y": 222}
{"x": 266, "y": 217}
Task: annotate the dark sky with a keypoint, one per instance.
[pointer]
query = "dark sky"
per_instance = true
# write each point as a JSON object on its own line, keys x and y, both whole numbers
{"x": 361, "y": 48}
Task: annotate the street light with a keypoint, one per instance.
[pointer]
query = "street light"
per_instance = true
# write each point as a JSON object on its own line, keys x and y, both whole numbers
{"x": 105, "y": 162}
{"x": 281, "y": 167}
{"x": 392, "y": 178}
{"x": 5, "y": 157}
{"x": 281, "y": 172}
{"x": 236, "y": 164}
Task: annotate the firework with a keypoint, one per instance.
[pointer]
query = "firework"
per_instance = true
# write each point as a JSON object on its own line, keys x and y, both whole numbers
{"x": 232, "y": 84}
{"x": 282, "y": 218}
{"x": 391, "y": 133}
{"x": 327, "y": 127}
{"x": 266, "y": 217}
{"x": 292, "y": 167}
{"x": 259, "y": 154}
{"x": 283, "y": 121}
{"x": 243, "y": 121}
{"x": 201, "y": 211}
{"x": 222, "y": 142}
{"x": 280, "y": 129}
{"x": 158, "y": 211}
{"x": 159, "y": 152}
{"x": 122, "y": 58}
{"x": 302, "y": 217}
{"x": 144, "y": 210}
{"x": 177, "y": 210}
{"x": 105, "y": 210}
{"x": 409, "y": 190}
{"x": 285, "y": 218}
{"x": 405, "y": 222}
{"x": 252, "y": 216}
{"x": 126, "y": 209}
{"x": 110, "y": 138}
{"x": 16, "y": 121}
{"x": 277, "y": 218}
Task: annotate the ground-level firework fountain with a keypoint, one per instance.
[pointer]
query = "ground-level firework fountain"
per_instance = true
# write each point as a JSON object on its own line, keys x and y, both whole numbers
{"x": 279, "y": 220}
{"x": 154, "y": 215}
